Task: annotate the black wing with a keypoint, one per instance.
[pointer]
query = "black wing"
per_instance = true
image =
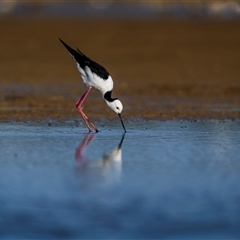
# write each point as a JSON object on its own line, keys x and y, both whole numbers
{"x": 84, "y": 61}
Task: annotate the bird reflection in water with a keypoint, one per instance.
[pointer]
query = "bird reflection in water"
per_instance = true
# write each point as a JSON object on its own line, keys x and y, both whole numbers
{"x": 109, "y": 165}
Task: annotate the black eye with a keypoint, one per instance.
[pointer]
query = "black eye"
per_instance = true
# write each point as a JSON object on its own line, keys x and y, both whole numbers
{"x": 118, "y": 108}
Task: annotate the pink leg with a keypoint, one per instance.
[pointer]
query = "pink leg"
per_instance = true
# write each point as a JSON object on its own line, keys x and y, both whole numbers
{"x": 79, "y": 104}
{"x": 89, "y": 122}
{"x": 85, "y": 120}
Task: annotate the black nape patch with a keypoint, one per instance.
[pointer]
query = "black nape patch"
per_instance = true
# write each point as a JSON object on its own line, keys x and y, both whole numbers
{"x": 107, "y": 96}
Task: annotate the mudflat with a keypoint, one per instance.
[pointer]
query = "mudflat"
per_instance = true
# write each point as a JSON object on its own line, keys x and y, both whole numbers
{"x": 162, "y": 69}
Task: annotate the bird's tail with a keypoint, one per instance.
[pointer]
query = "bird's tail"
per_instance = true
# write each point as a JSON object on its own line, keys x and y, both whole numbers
{"x": 71, "y": 50}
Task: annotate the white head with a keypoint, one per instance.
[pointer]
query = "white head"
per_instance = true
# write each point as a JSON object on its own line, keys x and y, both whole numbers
{"x": 115, "y": 105}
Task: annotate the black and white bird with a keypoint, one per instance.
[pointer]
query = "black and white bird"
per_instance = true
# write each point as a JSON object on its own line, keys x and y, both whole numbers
{"x": 94, "y": 76}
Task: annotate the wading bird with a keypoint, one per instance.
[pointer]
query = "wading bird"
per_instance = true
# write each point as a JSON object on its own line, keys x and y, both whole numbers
{"x": 94, "y": 76}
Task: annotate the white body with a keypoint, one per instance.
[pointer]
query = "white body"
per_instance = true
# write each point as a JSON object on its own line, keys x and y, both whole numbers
{"x": 93, "y": 80}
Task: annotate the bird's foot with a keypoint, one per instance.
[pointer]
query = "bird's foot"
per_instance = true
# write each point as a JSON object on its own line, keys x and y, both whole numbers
{"x": 90, "y": 130}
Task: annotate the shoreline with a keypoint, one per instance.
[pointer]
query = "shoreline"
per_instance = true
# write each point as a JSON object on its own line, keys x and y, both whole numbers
{"x": 161, "y": 69}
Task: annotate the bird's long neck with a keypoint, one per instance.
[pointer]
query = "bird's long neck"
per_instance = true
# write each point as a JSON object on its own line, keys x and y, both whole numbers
{"x": 108, "y": 96}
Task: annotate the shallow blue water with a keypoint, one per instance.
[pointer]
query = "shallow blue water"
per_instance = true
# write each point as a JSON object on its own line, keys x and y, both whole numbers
{"x": 171, "y": 179}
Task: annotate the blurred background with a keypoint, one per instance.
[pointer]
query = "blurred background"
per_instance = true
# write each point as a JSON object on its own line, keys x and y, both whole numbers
{"x": 110, "y": 8}
{"x": 167, "y": 52}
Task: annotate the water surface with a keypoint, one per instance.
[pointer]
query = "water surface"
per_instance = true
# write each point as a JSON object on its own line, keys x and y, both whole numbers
{"x": 171, "y": 179}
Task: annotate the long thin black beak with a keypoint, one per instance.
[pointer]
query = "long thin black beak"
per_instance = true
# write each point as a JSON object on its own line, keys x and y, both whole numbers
{"x": 122, "y": 122}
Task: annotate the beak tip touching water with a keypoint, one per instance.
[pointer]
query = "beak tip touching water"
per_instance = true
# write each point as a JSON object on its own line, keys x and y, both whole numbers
{"x": 122, "y": 122}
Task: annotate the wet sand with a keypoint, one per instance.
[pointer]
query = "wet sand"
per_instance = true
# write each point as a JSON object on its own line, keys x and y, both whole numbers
{"x": 162, "y": 69}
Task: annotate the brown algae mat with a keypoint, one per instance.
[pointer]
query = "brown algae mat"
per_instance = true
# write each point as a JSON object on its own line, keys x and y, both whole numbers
{"x": 162, "y": 69}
